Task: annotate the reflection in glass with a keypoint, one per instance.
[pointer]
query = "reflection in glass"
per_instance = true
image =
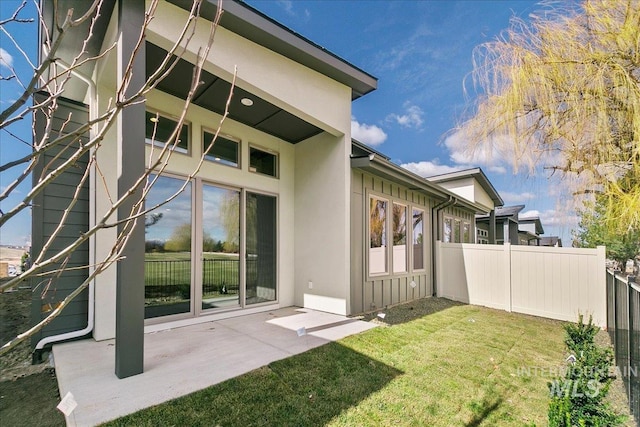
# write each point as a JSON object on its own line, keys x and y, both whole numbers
{"x": 466, "y": 232}
{"x": 222, "y": 150}
{"x": 220, "y": 247}
{"x": 377, "y": 236}
{"x": 261, "y": 278}
{"x": 167, "y": 266}
{"x": 456, "y": 231}
{"x": 418, "y": 239}
{"x": 448, "y": 225}
{"x": 399, "y": 238}
{"x": 263, "y": 162}
{"x": 158, "y": 130}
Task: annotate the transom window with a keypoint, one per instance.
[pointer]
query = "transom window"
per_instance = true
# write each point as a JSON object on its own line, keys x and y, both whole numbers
{"x": 224, "y": 150}
{"x": 263, "y": 162}
{"x": 159, "y": 128}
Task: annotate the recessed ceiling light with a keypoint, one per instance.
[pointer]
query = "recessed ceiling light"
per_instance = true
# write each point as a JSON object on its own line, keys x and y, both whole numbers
{"x": 247, "y": 102}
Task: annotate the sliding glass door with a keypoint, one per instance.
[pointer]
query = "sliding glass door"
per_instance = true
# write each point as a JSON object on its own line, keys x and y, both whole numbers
{"x": 220, "y": 247}
{"x": 200, "y": 256}
{"x": 167, "y": 273}
{"x": 261, "y": 248}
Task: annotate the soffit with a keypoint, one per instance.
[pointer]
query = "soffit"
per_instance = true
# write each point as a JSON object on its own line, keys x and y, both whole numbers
{"x": 213, "y": 93}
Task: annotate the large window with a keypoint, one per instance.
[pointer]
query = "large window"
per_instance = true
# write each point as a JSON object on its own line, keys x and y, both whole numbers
{"x": 167, "y": 272}
{"x": 261, "y": 256}
{"x": 377, "y": 236}
{"x": 223, "y": 150}
{"x": 220, "y": 247}
{"x": 159, "y": 128}
{"x": 399, "y": 238}
{"x": 418, "y": 239}
{"x": 208, "y": 259}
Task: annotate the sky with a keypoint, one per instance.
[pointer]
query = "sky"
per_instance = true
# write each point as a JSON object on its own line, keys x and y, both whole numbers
{"x": 421, "y": 53}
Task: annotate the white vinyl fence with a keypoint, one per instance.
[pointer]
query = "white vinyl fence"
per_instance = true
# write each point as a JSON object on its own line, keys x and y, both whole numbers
{"x": 557, "y": 283}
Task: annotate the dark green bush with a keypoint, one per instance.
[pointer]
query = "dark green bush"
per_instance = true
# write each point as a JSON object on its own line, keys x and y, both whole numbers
{"x": 578, "y": 399}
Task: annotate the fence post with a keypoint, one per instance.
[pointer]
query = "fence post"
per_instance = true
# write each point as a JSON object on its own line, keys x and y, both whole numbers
{"x": 439, "y": 282}
{"x": 630, "y": 291}
{"x": 508, "y": 285}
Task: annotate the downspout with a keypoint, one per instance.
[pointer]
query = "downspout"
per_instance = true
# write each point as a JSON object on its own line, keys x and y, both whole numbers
{"x": 93, "y": 102}
{"x": 435, "y": 211}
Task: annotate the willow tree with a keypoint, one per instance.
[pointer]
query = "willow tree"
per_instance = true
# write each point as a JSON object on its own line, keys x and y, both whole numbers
{"x": 561, "y": 93}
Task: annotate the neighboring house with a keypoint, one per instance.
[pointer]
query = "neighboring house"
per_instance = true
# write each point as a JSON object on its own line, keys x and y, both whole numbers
{"x": 553, "y": 241}
{"x": 396, "y": 218}
{"x": 529, "y": 230}
{"x": 506, "y": 220}
{"x": 286, "y": 210}
{"x": 473, "y": 185}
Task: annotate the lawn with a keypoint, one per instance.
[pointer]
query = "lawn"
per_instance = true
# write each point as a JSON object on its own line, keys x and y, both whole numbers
{"x": 458, "y": 365}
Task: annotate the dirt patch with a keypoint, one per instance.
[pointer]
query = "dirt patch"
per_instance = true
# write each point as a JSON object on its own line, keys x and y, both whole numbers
{"x": 28, "y": 393}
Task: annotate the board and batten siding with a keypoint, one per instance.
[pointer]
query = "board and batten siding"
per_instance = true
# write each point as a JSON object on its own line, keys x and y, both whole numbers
{"x": 373, "y": 293}
{"x": 48, "y": 208}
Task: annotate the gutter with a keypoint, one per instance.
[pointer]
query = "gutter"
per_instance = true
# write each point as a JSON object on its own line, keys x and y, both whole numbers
{"x": 93, "y": 102}
{"x": 435, "y": 211}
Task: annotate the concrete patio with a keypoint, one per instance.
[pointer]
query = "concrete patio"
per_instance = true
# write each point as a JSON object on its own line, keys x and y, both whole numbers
{"x": 183, "y": 360}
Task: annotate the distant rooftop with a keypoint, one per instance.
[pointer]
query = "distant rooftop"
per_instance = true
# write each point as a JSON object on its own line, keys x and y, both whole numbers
{"x": 479, "y": 176}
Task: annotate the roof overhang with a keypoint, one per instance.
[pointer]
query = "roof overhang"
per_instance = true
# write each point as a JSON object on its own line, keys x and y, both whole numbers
{"x": 476, "y": 173}
{"x": 383, "y": 168}
{"x": 253, "y": 25}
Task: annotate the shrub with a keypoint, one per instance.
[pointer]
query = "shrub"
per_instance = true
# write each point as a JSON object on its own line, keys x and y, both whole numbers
{"x": 578, "y": 399}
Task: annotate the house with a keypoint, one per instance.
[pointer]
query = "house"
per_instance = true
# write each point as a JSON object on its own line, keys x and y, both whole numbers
{"x": 506, "y": 224}
{"x": 473, "y": 185}
{"x": 286, "y": 210}
{"x": 552, "y": 241}
{"x": 529, "y": 230}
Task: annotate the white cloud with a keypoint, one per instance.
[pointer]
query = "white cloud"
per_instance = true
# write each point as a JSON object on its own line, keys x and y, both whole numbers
{"x": 553, "y": 218}
{"x": 369, "y": 134}
{"x": 412, "y": 117}
{"x": 532, "y": 213}
{"x": 287, "y": 5}
{"x": 510, "y": 197}
{"x": 426, "y": 168}
{"x": 5, "y": 58}
{"x": 488, "y": 154}
{"x": 501, "y": 170}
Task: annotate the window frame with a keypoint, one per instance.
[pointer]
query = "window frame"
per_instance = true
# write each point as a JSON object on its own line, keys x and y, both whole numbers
{"x": 189, "y": 150}
{"x": 212, "y": 159}
{"x": 393, "y": 237}
{"x": 267, "y": 151}
{"x": 412, "y": 256}
{"x": 387, "y": 270}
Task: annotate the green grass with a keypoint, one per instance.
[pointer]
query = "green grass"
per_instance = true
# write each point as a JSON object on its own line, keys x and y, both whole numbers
{"x": 457, "y": 367}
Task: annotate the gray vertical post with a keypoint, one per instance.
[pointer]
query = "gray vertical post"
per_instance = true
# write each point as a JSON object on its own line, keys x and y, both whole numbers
{"x": 131, "y": 132}
{"x": 492, "y": 227}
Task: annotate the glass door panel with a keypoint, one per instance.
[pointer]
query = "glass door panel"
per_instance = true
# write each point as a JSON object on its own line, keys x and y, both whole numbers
{"x": 261, "y": 259}
{"x": 167, "y": 261}
{"x": 220, "y": 247}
